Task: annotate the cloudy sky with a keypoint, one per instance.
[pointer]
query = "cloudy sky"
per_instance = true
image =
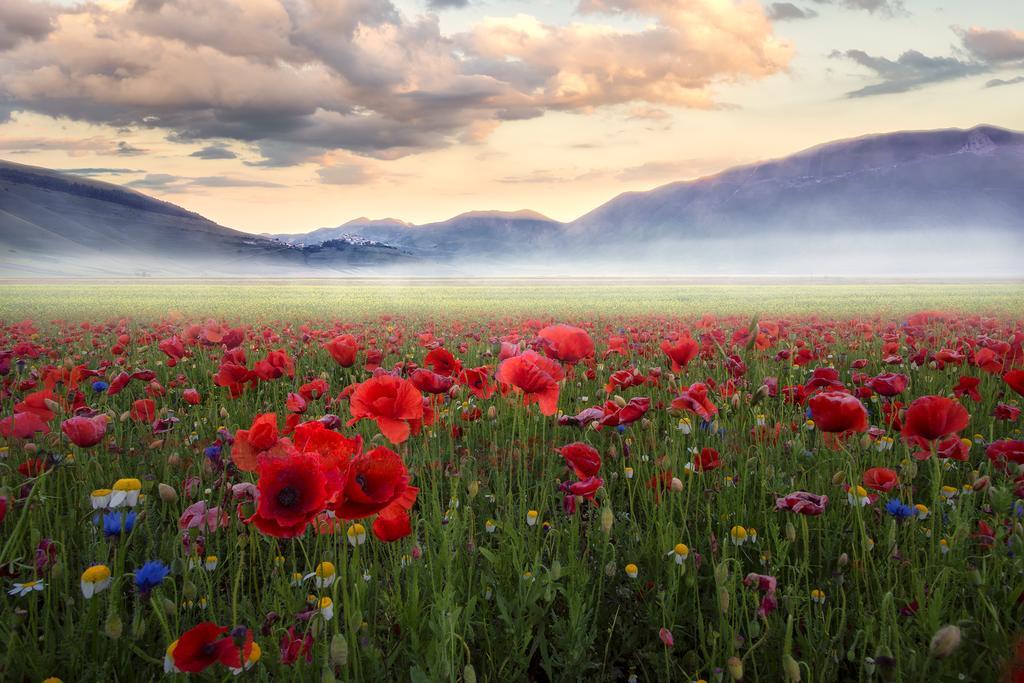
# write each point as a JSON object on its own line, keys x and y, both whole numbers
{"x": 287, "y": 115}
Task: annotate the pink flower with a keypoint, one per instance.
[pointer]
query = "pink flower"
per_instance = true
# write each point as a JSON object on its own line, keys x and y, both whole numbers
{"x": 199, "y": 516}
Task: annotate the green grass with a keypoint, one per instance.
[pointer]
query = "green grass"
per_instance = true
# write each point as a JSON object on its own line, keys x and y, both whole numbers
{"x": 324, "y": 301}
{"x": 453, "y": 602}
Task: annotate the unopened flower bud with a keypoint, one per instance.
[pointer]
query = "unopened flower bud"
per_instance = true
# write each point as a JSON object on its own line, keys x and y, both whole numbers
{"x": 167, "y": 493}
{"x": 945, "y": 641}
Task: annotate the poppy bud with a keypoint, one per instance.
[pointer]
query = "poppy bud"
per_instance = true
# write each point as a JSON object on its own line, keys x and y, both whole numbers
{"x": 844, "y": 560}
{"x": 469, "y": 674}
{"x": 607, "y": 519}
{"x": 173, "y": 459}
{"x": 473, "y": 489}
{"x": 168, "y": 606}
{"x": 677, "y": 484}
{"x": 791, "y": 667}
{"x": 52, "y": 405}
{"x": 721, "y": 572}
{"x": 327, "y": 673}
{"x": 492, "y": 413}
{"x": 981, "y": 483}
{"x": 124, "y": 416}
{"x": 339, "y": 650}
{"x": 610, "y": 569}
{"x": 224, "y": 413}
{"x": 167, "y": 493}
{"x": 113, "y": 628}
{"x": 838, "y": 478}
{"x": 188, "y": 590}
{"x": 735, "y": 400}
{"x": 723, "y": 600}
{"x": 735, "y": 667}
{"x": 790, "y": 532}
{"x": 945, "y": 641}
{"x": 619, "y": 401}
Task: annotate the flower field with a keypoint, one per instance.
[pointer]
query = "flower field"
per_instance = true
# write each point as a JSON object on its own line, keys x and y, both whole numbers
{"x": 611, "y": 486}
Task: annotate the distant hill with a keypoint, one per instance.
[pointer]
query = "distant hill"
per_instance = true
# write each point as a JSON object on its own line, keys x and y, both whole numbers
{"x": 52, "y": 224}
{"x": 934, "y": 203}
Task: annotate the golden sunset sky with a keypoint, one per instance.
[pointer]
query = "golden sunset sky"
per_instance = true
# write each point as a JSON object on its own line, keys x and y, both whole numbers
{"x": 288, "y": 115}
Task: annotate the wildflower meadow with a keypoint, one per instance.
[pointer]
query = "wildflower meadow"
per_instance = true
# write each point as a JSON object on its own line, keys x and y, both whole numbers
{"x": 676, "y": 491}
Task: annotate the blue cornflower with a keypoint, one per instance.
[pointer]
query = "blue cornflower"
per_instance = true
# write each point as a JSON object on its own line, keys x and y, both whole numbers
{"x": 620, "y": 428}
{"x": 900, "y": 510}
{"x": 117, "y": 523}
{"x": 150, "y": 575}
{"x": 99, "y": 386}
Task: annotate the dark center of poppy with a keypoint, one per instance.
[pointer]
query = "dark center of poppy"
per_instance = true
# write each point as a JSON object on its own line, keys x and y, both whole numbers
{"x": 208, "y": 649}
{"x": 287, "y": 496}
{"x": 361, "y": 480}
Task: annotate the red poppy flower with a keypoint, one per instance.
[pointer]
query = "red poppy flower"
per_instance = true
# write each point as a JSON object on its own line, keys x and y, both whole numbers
{"x": 261, "y": 437}
{"x": 23, "y": 426}
{"x": 392, "y": 524}
{"x": 373, "y": 481}
{"x": 191, "y": 397}
{"x": 443, "y": 362}
{"x": 585, "y": 488}
{"x": 1004, "y": 411}
{"x": 277, "y": 364}
{"x": 38, "y": 403}
{"x": 888, "y": 384}
{"x": 1005, "y": 451}
{"x": 292, "y": 490}
{"x": 802, "y": 503}
{"x": 143, "y": 410}
{"x": 836, "y": 412}
{"x": 881, "y": 479}
{"x": 85, "y": 431}
{"x": 824, "y": 378}
{"x": 952, "y": 447}
{"x": 343, "y": 350}
{"x": 1015, "y": 380}
{"x": 706, "y": 460}
{"x": 295, "y": 403}
{"x": 567, "y": 343}
{"x": 695, "y": 400}
{"x": 314, "y": 389}
{"x": 582, "y": 458}
{"x": 395, "y": 404}
{"x": 681, "y": 351}
{"x": 536, "y": 376}
{"x": 616, "y": 416}
{"x": 430, "y": 382}
{"x": 478, "y": 381}
{"x": 293, "y": 646}
{"x": 234, "y": 377}
{"x": 968, "y": 386}
{"x": 933, "y": 417}
{"x": 203, "y": 645}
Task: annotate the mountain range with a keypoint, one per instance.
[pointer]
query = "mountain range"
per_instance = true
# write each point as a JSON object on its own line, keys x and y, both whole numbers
{"x": 932, "y": 203}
